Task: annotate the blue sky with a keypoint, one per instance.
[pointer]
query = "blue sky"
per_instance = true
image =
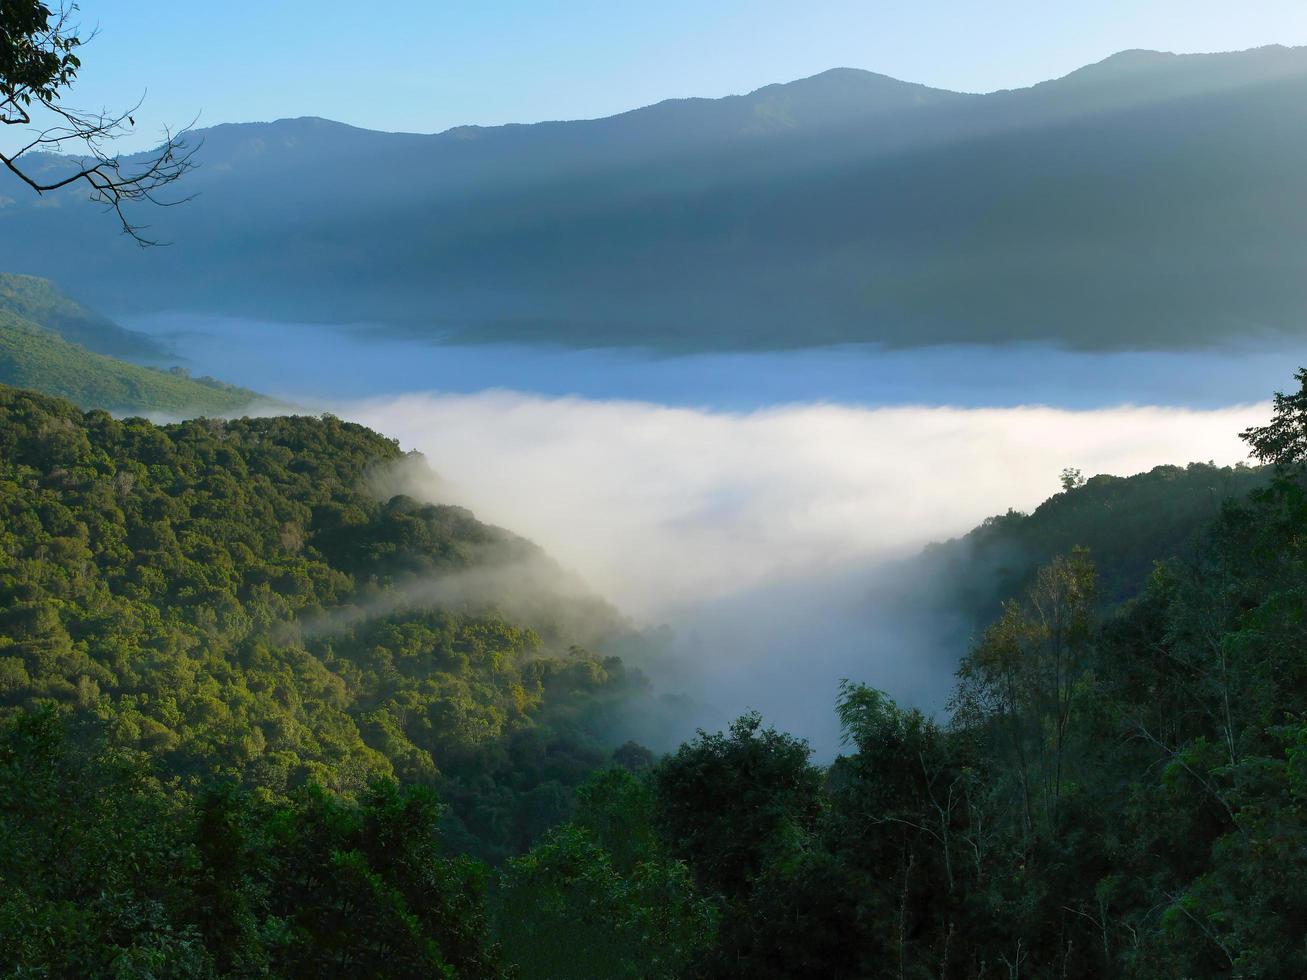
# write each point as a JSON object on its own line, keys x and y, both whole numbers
{"x": 426, "y": 66}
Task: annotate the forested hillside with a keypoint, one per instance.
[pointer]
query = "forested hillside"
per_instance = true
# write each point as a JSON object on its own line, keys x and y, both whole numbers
{"x": 53, "y": 344}
{"x": 39, "y": 301}
{"x": 248, "y": 732}
{"x": 233, "y": 599}
{"x": 32, "y": 356}
{"x": 1128, "y": 524}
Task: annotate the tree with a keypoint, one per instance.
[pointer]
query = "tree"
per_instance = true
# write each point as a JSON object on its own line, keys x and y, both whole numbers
{"x": 39, "y": 63}
{"x": 1071, "y": 478}
{"x": 730, "y": 802}
{"x": 1283, "y": 441}
{"x": 93, "y": 859}
{"x": 600, "y": 897}
{"x": 1027, "y": 675}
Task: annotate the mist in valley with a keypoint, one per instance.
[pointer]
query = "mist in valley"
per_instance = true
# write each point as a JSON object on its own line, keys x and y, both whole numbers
{"x": 746, "y": 540}
{"x": 778, "y": 545}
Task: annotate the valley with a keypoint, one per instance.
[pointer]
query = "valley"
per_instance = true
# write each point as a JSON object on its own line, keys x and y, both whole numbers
{"x": 851, "y": 528}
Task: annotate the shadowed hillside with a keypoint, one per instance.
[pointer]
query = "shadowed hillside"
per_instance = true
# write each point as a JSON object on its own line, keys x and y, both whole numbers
{"x": 41, "y": 302}
{"x": 53, "y": 344}
{"x": 1150, "y": 200}
{"x": 32, "y": 357}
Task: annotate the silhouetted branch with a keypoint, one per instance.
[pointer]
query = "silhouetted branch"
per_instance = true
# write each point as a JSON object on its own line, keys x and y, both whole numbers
{"x": 38, "y": 62}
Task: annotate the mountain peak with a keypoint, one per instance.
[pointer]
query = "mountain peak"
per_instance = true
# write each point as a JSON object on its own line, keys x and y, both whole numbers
{"x": 1201, "y": 72}
{"x": 832, "y": 97}
{"x": 1135, "y": 58}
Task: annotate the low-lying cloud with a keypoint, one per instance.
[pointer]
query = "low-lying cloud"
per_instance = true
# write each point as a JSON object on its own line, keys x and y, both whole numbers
{"x": 660, "y": 506}
{"x": 760, "y": 536}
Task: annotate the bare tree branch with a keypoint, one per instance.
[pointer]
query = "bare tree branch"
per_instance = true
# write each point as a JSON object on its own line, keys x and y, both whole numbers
{"x": 38, "y": 63}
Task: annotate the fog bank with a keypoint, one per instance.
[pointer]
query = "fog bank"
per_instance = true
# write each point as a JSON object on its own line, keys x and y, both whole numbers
{"x": 768, "y": 539}
{"x": 657, "y": 507}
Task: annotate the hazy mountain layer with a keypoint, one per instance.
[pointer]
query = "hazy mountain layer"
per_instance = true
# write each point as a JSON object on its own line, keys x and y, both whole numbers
{"x": 1149, "y": 200}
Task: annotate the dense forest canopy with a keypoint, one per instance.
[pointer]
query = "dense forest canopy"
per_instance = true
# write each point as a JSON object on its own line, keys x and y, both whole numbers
{"x": 1127, "y": 523}
{"x": 219, "y": 595}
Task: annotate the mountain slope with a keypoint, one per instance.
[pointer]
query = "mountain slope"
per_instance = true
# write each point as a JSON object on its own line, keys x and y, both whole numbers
{"x": 40, "y": 301}
{"x": 1128, "y": 524}
{"x": 1148, "y": 201}
{"x": 33, "y": 357}
{"x": 236, "y": 601}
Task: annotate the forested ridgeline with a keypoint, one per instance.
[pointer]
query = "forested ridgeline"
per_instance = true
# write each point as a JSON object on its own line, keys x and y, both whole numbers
{"x": 1120, "y": 789}
{"x": 1128, "y": 524}
{"x": 223, "y": 778}
{"x": 234, "y": 599}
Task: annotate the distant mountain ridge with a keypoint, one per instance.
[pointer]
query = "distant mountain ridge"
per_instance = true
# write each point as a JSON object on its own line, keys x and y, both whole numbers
{"x": 1147, "y": 201}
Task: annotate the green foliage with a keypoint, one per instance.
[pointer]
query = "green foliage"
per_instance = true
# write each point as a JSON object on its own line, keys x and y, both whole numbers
{"x": 233, "y": 600}
{"x": 362, "y": 888}
{"x": 104, "y": 873}
{"x": 37, "y": 61}
{"x": 90, "y": 853}
{"x": 1028, "y": 673}
{"x": 804, "y": 917}
{"x": 726, "y": 802}
{"x": 1284, "y": 440}
{"x": 601, "y": 896}
{"x": 1127, "y": 523}
{"x": 573, "y": 907}
{"x": 1071, "y": 478}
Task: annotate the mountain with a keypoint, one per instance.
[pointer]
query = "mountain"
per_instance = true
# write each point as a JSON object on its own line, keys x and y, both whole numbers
{"x": 1148, "y": 201}
{"x": 49, "y": 343}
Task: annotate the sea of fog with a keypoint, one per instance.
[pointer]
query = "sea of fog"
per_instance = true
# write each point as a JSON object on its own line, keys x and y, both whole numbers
{"x": 764, "y": 505}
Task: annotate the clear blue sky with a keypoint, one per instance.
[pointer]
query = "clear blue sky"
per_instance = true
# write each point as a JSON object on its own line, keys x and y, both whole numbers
{"x": 426, "y": 65}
